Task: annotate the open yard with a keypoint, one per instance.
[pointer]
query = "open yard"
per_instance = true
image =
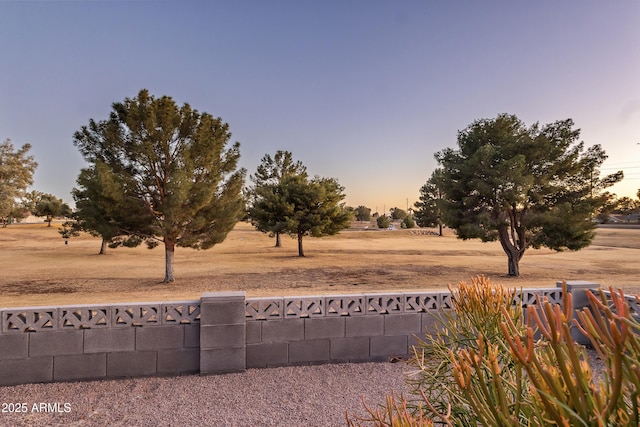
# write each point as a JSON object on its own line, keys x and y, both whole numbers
{"x": 39, "y": 269}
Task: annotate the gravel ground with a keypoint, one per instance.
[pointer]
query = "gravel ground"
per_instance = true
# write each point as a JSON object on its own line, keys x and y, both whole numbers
{"x": 289, "y": 396}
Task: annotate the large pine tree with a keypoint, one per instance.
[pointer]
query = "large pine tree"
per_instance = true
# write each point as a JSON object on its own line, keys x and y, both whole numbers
{"x": 524, "y": 186}
{"x": 176, "y": 166}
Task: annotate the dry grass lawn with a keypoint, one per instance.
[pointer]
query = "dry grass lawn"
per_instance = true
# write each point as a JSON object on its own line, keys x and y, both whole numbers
{"x": 39, "y": 269}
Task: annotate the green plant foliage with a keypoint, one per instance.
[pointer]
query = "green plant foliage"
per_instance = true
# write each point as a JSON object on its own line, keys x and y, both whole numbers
{"x": 472, "y": 325}
{"x": 16, "y": 174}
{"x": 268, "y": 206}
{"x": 429, "y": 207}
{"x": 383, "y": 221}
{"x": 565, "y": 389}
{"x": 483, "y": 366}
{"x": 50, "y": 207}
{"x": 524, "y": 186}
{"x": 173, "y": 163}
{"x": 408, "y": 222}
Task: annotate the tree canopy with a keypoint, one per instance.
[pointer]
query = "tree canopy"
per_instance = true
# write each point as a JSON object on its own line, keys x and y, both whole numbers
{"x": 50, "y": 206}
{"x": 104, "y": 209}
{"x": 172, "y": 164}
{"x": 362, "y": 213}
{"x": 315, "y": 208}
{"x": 524, "y": 186}
{"x": 16, "y": 174}
{"x": 429, "y": 207}
{"x": 397, "y": 214}
{"x": 269, "y": 208}
{"x": 285, "y": 200}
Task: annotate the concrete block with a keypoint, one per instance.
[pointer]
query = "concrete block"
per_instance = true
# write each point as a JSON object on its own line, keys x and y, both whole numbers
{"x": 109, "y": 340}
{"x": 179, "y": 361}
{"x": 79, "y": 366}
{"x": 283, "y": 330}
{"x": 349, "y": 348}
{"x": 159, "y": 337}
{"x": 254, "y": 331}
{"x": 324, "y": 327}
{"x": 412, "y": 342}
{"x": 430, "y": 324}
{"x": 131, "y": 363}
{"x": 222, "y": 336}
{"x": 55, "y": 343}
{"x": 402, "y": 324}
{"x": 222, "y": 308}
{"x": 364, "y": 326}
{"x": 23, "y": 371}
{"x": 309, "y": 351}
{"x": 389, "y": 346}
{"x": 192, "y": 335}
{"x": 219, "y": 361}
{"x": 266, "y": 355}
{"x": 14, "y": 346}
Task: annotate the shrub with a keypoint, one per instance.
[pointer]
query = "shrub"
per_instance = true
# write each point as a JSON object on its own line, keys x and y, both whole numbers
{"x": 383, "y": 221}
{"x": 483, "y": 366}
{"x": 408, "y": 222}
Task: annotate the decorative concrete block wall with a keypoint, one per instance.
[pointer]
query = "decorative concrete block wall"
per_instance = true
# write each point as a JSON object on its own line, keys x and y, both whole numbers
{"x": 332, "y": 329}
{"x": 42, "y": 344}
{"x": 220, "y": 333}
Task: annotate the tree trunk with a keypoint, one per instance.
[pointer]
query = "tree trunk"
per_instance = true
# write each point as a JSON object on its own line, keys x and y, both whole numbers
{"x": 514, "y": 267}
{"x": 169, "y": 250}
{"x": 514, "y": 253}
{"x": 103, "y": 247}
{"x": 440, "y": 227}
{"x": 278, "y": 244}
{"x": 300, "y": 250}
{"x": 49, "y": 219}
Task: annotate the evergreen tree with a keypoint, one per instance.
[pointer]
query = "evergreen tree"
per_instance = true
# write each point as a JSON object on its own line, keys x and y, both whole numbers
{"x": 429, "y": 207}
{"x": 104, "y": 209}
{"x": 174, "y": 165}
{"x": 51, "y": 207}
{"x": 299, "y": 206}
{"x": 268, "y": 208}
{"x": 315, "y": 208}
{"x": 526, "y": 187}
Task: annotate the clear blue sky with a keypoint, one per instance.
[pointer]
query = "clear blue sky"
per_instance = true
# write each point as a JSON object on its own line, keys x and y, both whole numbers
{"x": 362, "y": 91}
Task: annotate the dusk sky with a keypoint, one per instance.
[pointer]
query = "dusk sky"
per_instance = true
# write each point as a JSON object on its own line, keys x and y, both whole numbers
{"x": 362, "y": 91}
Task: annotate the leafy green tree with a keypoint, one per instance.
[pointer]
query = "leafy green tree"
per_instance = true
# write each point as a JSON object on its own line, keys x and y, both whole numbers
{"x": 268, "y": 206}
{"x": 397, "y": 214}
{"x": 16, "y": 174}
{"x": 429, "y": 207}
{"x": 173, "y": 162}
{"x": 51, "y": 207}
{"x": 104, "y": 209}
{"x": 363, "y": 213}
{"x": 383, "y": 221}
{"x": 526, "y": 187}
{"x": 408, "y": 222}
{"x": 313, "y": 207}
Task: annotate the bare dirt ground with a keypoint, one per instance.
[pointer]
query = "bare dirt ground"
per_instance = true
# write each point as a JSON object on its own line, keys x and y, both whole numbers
{"x": 37, "y": 268}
